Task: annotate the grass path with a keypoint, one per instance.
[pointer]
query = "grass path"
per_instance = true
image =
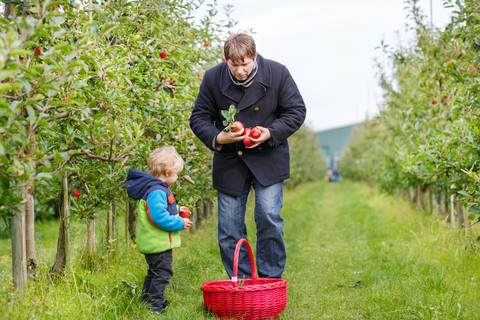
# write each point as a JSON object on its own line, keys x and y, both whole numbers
{"x": 352, "y": 254}
{"x": 356, "y": 255}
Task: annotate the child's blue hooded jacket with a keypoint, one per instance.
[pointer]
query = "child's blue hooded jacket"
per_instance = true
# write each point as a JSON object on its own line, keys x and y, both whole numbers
{"x": 158, "y": 222}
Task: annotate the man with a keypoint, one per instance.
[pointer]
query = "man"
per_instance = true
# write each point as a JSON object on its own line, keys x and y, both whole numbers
{"x": 265, "y": 95}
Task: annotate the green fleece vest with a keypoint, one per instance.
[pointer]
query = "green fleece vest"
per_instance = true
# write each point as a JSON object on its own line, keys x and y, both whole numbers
{"x": 151, "y": 239}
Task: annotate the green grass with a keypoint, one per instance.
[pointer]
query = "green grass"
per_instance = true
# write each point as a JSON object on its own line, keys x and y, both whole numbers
{"x": 352, "y": 254}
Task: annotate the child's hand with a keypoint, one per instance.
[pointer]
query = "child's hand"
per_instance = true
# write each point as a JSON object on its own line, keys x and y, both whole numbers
{"x": 187, "y": 224}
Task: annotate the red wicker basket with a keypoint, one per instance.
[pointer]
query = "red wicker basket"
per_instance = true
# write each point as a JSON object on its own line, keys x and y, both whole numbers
{"x": 256, "y": 298}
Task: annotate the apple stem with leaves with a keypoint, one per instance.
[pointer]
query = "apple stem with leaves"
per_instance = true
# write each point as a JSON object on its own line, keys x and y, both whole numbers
{"x": 229, "y": 116}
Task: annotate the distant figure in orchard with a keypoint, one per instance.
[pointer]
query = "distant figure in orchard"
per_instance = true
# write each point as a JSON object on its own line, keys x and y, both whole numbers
{"x": 266, "y": 98}
{"x": 158, "y": 223}
{"x": 333, "y": 175}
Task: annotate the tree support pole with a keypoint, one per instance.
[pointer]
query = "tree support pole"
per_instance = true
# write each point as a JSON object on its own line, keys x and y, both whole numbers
{"x": 19, "y": 257}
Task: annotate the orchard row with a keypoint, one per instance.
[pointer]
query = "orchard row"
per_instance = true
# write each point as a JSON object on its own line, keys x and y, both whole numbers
{"x": 426, "y": 140}
{"x": 88, "y": 91}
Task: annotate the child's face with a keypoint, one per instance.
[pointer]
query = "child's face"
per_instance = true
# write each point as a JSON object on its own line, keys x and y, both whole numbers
{"x": 170, "y": 177}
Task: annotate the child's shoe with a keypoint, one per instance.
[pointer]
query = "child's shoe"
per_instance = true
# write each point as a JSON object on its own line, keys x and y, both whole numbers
{"x": 157, "y": 309}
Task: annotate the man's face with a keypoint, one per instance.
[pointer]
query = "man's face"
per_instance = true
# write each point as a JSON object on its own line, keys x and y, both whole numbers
{"x": 241, "y": 68}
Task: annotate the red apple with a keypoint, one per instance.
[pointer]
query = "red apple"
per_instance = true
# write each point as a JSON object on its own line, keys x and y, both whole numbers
{"x": 247, "y": 131}
{"x": 184, "y": 212}
{"x": 237, "y": 126}
{"x": 197, "y": 74}
{"x": 206, "y": 44}
{"x": 255, "y": 133}
{"x": 37, "y": 51}
{"x": 434, "y": 101}
{"x": 163, "y": 54}
{"x": 76, "y": 193}
{"x": 247, "y": 142}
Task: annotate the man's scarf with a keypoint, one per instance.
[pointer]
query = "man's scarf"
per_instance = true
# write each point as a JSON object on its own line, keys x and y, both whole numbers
{"x": 247, "y": 82}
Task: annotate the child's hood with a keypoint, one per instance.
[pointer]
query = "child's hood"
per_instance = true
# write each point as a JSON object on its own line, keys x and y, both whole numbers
{"x": 138, "y": 183}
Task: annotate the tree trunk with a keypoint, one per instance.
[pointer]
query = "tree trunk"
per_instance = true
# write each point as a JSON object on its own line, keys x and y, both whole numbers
{"x": 19, "y": 258}
{"x": 91, "y": 239}
{"x": 30, "y": 232}
{"x": 440, "y": 202}
{"x": 132, "y": 221}
{"x": 418, "y": 198}
{"x": 430, "y": 201}
{"x": 127, "y": 221}
{"x": 200, "y": 210}
{"x": 30, "y": 214}
{"x": 411, "y": 195}
{"x": 195, "y": 217}
{"x": 10, "y": 10}
{"x": 62, "y": 255}
{"x": 462, "y": 214}
{"x": 207, "y": 206}
{"x": 110, "y": 234}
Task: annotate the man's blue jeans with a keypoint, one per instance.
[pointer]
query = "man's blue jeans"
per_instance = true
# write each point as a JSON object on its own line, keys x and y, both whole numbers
{"x": 270, "y": 251}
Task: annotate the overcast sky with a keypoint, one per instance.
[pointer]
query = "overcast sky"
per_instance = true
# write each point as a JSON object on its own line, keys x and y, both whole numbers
{"x": 329, "y": 48}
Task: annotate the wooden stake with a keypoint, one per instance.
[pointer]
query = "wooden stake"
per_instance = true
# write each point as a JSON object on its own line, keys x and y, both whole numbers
{"x": 30, "y": 232}
{"x": 19, "y": 258}
{"x": 452, "y": 210}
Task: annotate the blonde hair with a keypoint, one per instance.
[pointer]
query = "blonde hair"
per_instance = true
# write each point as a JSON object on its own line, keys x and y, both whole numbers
{"x": 239, "y": 46}
{"x": 164, "y": 159}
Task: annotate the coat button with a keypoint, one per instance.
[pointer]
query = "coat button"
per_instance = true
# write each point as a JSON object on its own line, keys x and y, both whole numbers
{"x": 256, "y": 109}
{"x": 239, "y": 153}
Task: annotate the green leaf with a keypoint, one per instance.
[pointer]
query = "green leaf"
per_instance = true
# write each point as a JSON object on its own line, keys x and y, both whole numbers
{"x": 32, "y": 117}
{"x": 3, "y": 223}
{"x": 474, "y": 210}
{"x": 9, "y": 86}
{"x": 18, "y": 52}
{"x": 229, "y": 115}
{"x": 463, "y": 193}
{"x": 26, "y": 85}
{"x": 76, "y": 64}
{"x": 58, "y": 158}
{"x": 43, "y": 175}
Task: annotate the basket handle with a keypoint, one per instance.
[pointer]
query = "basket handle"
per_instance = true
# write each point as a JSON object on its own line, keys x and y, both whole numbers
{"x": 235, "y": 260}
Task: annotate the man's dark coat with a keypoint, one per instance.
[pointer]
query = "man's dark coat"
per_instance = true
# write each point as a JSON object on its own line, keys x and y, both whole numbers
{"x": 273, "y": 101}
